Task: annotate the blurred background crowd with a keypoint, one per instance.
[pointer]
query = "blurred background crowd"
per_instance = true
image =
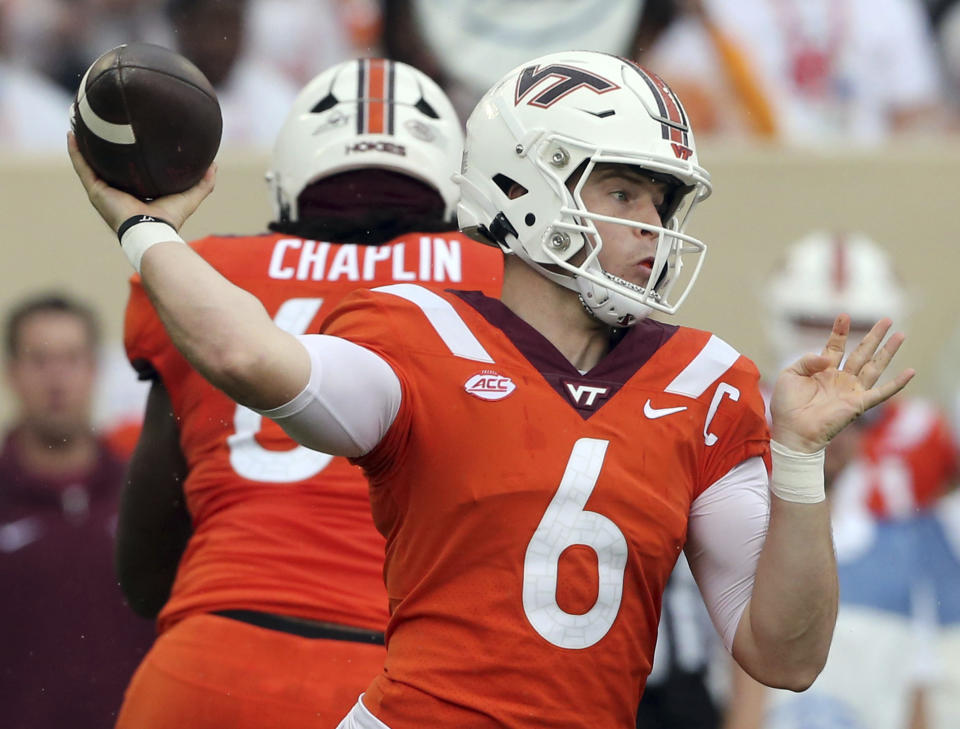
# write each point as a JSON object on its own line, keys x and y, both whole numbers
{"x": 813, "y": 72}
{"x": 855, "y": 106}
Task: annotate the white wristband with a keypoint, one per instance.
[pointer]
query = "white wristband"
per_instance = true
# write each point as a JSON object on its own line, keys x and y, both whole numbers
{"x": 797, "y": 477}
{"x": 141, "y": 232}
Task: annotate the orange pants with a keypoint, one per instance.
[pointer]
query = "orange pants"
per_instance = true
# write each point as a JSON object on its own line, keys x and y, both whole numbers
{"x": 211, "y": 672}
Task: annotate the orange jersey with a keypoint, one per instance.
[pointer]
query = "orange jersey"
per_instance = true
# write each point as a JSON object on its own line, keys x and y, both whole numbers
{"x": 907, "y": 459}
{"x": 533, "y": 514}
{"x": 280, "y": 528}
{"x": 210, "y": 672}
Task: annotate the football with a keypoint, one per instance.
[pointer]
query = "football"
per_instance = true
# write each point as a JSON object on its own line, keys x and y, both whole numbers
{"x": 146, "y": 120}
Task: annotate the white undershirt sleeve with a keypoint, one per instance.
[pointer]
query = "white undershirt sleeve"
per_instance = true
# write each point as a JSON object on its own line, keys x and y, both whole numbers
{"x": 348, "y": 404}
{"x": 727, "y": 528}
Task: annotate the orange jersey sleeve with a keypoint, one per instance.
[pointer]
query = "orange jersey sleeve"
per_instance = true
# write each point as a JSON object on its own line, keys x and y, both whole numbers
{"x": 278, "y": 527}
{"x": 534, "y": 513}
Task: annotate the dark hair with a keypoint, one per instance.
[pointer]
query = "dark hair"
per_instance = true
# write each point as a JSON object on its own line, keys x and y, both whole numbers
{"x": 49, "y": 303}
{"x": 366, "y": 206}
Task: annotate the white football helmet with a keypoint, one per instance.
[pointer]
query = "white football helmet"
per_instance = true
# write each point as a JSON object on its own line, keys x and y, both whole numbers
{"x": 554, "y": 116}
{"x": 825, "y": 274}
{"x": 365, "y": 113}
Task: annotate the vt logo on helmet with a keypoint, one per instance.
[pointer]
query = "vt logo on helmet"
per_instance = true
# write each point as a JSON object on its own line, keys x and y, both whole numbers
{"x": 567, "y": 79}
{"x": 532, "y": 143}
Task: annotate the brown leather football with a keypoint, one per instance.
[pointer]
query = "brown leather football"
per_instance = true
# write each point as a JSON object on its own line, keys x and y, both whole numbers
{"x": 146, "y": 120}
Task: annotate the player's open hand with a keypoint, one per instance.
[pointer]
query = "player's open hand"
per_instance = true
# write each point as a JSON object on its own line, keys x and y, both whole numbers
{"x": 115, "y": 206}
{"x": 816, "y": 398}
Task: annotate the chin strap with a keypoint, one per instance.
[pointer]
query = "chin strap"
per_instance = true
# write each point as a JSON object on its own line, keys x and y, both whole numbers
{"x": 608, "y": 306}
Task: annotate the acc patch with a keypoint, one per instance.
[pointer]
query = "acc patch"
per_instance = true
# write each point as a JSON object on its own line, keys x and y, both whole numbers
{"x": 489, "y": 385}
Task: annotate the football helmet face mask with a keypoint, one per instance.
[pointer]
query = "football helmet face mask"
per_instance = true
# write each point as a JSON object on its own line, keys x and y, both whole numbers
{"x": 825, "y": 274}
{"x": 565, "y": 113}
{"x": 366, "y": 113}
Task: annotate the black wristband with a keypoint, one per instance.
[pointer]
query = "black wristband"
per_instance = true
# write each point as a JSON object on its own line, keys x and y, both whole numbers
{"x": 134, "y": 219}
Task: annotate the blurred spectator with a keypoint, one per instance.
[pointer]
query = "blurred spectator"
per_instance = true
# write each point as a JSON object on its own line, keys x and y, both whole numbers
{"x": 899, "y": 580}
{"x": 945, "y": 16}
{"x": 804, "y": 71}
{"x": 61, "y": 38}
{"x": 111, "y": 23}
{"x": 47, "y": 37}
{"x": 253, "y": 96}
{"x": 256, "y": 52}
{"x": 302, "y": 37}
{"x": 943, "y": 693}
{"x": 69, "y": 641}
{"x": 466, "y": 45}
{"x": 33, "y": 111}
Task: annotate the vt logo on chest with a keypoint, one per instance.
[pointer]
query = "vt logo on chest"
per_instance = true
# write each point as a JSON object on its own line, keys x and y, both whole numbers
{"x": 586, "y": 395}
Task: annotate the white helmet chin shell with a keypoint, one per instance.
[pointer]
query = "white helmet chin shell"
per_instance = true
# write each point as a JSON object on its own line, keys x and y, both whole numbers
{"x": 361, "y": 114}
{"x": 568, "y": 112}
{"x": 608, "y": 305}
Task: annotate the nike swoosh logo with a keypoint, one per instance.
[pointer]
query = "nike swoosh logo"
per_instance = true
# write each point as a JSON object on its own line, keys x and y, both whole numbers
{"x": 654, "y": 413}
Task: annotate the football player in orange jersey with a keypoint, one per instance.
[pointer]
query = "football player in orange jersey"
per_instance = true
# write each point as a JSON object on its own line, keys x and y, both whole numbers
{"x": 277, "y": 610}
{"x": 538, "y": 461}
{"x": 887, "y": 477}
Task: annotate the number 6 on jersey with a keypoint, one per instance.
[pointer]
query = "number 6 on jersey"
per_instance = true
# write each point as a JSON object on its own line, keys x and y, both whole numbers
{"x": 564, "y": 524}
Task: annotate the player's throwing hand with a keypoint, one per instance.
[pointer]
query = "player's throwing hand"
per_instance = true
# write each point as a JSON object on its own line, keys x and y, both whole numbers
{"x": 116, "y": 206}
